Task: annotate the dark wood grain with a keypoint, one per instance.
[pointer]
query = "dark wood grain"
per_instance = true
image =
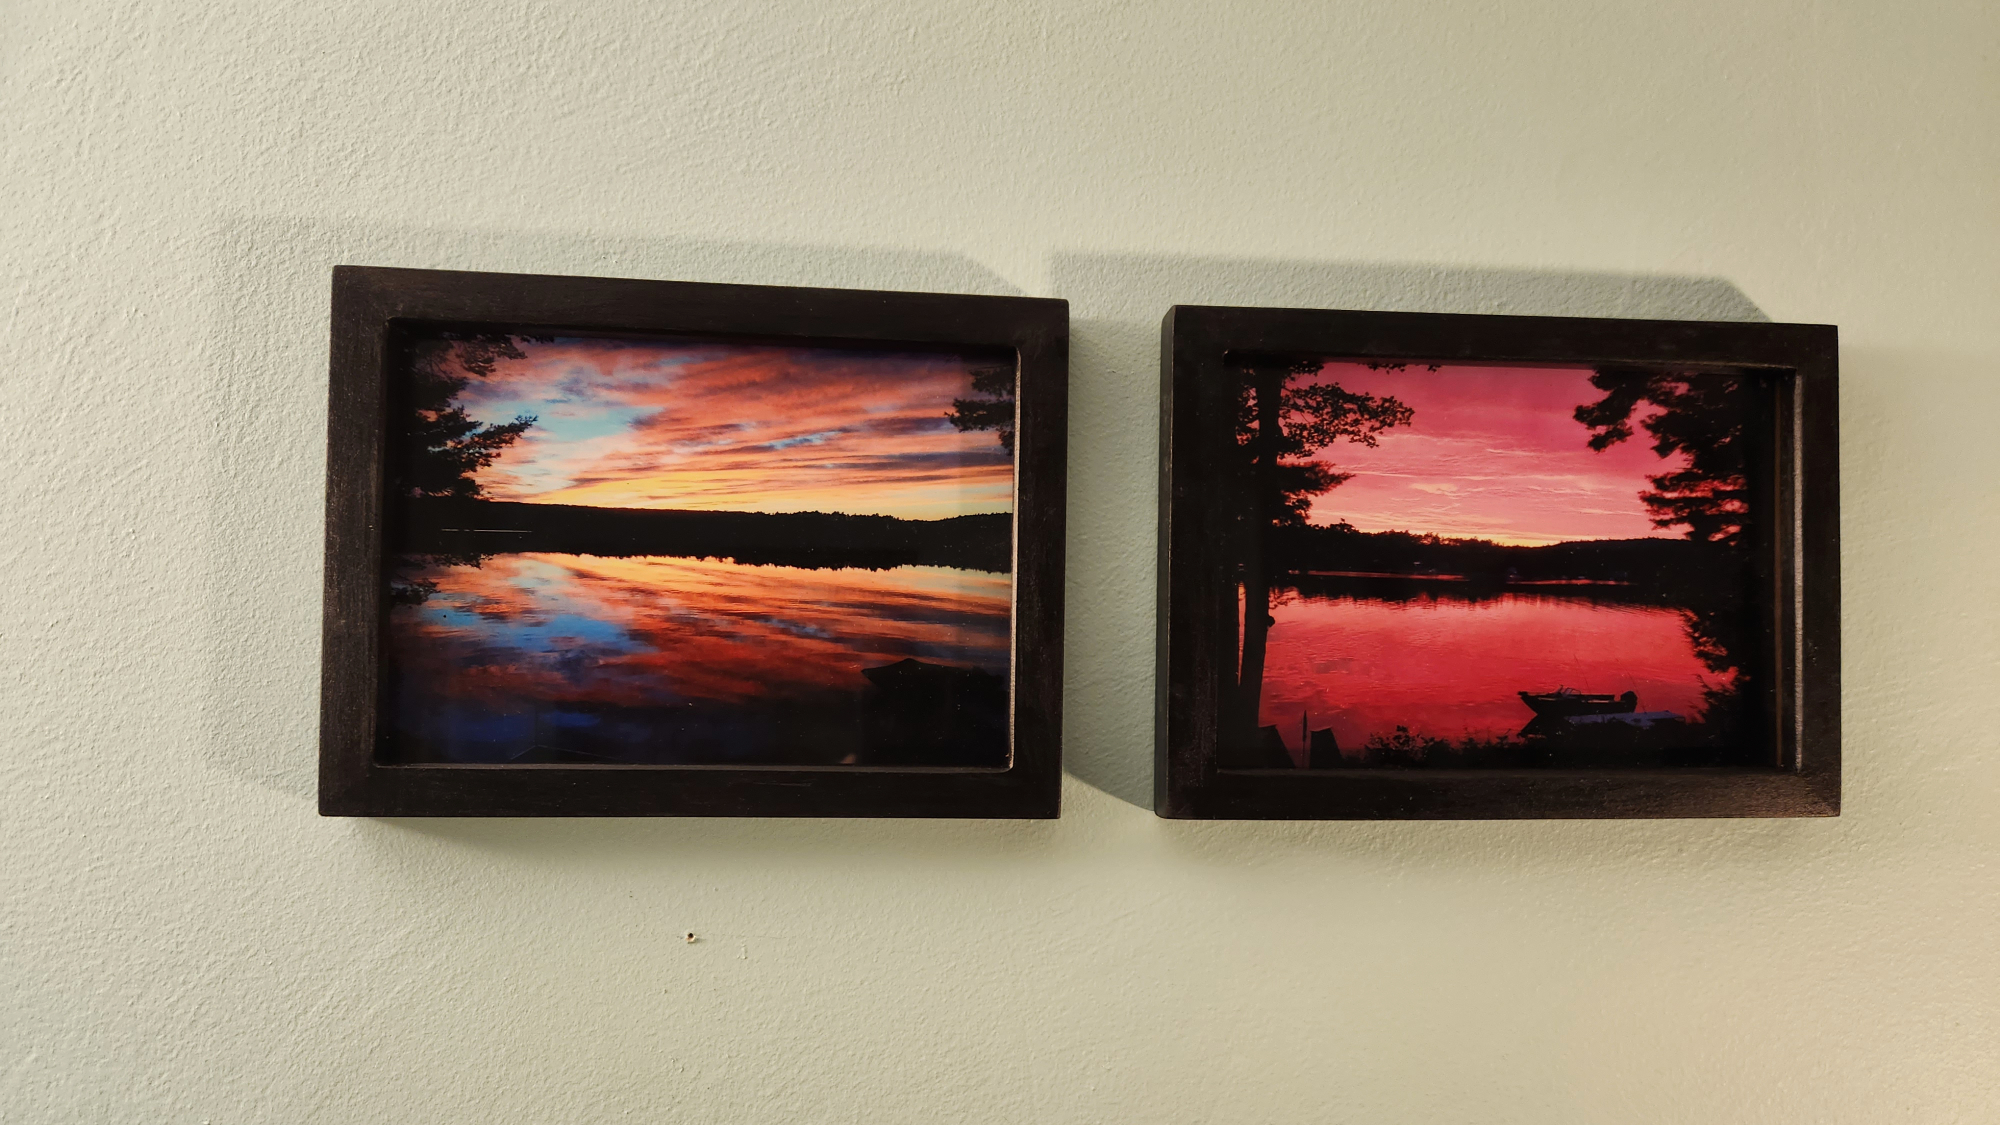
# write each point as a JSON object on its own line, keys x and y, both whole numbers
{"x": 367, "y": 300}
{"x": 1196, "y": 600}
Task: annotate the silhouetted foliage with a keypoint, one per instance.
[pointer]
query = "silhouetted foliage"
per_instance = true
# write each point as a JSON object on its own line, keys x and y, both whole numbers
{"x": 1699, "y": 415}
{"x": 472, "y": 529}
{"x": 1281, "y": 422}
{"x": 1710, "y": 419}
{"x": 442, "y": 447}
{"x": 437, "y": 448}
{"x": 1723, "y": 635}
{"x": 1402, "y": 749}
{"x": 406, "y": 588}
{"x": 1665, "y": 571}
{"x": 1559, "y": 746}
{"x": 994, "y": 409}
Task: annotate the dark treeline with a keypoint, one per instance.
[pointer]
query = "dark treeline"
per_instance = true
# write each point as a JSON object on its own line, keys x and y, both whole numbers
{"x": 1650, "y": 568}
{"x": 1592, "y": 746}
{"x": 453, "y": 528}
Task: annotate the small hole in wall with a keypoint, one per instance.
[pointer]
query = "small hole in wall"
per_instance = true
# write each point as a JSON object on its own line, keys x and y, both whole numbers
{"x": 690, "y": 937}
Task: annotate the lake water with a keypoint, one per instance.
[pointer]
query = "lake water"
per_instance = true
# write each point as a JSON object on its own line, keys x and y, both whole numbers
{"x": 675, "y": 660}
{"x": 1451, "y": 667}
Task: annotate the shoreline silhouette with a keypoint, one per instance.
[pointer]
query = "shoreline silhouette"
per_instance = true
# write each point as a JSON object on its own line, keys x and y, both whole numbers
{"x": 469, "y": 528}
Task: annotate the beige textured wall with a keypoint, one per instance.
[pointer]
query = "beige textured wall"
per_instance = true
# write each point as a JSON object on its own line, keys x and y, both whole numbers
{"x": 184, "y": 940}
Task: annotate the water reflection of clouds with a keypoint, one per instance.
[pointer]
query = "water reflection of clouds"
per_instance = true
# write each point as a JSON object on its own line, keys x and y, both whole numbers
{"x": 654, "y": 631}
{"x": 532, "y": 611}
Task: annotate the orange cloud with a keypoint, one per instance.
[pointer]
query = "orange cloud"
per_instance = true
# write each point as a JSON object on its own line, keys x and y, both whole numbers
{"x": 740, "y": 427}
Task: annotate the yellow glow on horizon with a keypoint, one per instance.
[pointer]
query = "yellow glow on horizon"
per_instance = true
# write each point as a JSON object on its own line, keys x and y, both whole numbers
{"x": 751, "y": 491}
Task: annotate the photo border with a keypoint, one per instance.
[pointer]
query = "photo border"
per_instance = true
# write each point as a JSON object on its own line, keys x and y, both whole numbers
{"x": 1196, "y": 606}
{"x": 368, "y": 299}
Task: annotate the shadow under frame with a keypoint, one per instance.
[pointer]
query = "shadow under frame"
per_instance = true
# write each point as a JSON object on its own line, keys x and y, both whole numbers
{"x": 1197, "y": 611}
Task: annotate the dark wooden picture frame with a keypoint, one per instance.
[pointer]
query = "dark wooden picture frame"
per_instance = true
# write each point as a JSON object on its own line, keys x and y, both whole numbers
{"x": 371, "y": 303}
{"x": 1198, "y": 614}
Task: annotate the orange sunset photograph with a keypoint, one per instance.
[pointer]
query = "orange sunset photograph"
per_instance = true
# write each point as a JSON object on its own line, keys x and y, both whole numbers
{"x": 694, "y": 551}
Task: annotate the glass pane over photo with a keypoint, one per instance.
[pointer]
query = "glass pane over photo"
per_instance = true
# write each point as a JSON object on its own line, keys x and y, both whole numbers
{"x": 1457, "y": 566}
{"x": 660, "y": 550}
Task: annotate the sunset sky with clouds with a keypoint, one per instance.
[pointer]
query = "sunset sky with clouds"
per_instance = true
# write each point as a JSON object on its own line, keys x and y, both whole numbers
{"x": 739, "y": 427}
{"x": 1492, "y": 453}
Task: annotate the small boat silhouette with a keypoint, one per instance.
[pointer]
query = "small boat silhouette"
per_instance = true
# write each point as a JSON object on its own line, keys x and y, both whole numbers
{"x": 917, "y": 713}
{"x": 1565, "y": 702}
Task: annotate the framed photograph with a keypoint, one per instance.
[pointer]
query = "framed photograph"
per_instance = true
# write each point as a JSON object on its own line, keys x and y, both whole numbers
{"x": 605, "y": 547}
{"x": 1438, "y": 566}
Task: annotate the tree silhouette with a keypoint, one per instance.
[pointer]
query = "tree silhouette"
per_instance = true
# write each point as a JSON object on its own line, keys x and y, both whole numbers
{"x": 994, "y": 410}
{"x": 442, "y": 447}
{"x": 1280, "y": 423}
{"x": 1714, "y": 420}
{"x": 437, "y": 448}
{"x": 1699, "y": 415}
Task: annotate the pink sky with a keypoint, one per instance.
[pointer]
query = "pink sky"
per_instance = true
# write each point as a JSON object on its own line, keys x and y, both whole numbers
{"x": 697, "y": 424}
{"x": 1492, "y": 453}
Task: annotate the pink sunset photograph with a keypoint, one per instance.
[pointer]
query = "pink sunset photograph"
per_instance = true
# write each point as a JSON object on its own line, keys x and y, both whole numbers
{"x": 1466, "y": 566}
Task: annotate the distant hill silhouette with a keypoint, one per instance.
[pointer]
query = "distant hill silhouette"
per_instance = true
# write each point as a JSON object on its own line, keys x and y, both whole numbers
{"x": 1648, "y": 568}
{"x": 457, "y": 527}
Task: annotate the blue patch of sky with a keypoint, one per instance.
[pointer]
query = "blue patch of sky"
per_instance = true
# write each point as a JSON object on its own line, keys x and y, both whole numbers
{"x": 803, "y": 439}
{"x": 579, "y": 411}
